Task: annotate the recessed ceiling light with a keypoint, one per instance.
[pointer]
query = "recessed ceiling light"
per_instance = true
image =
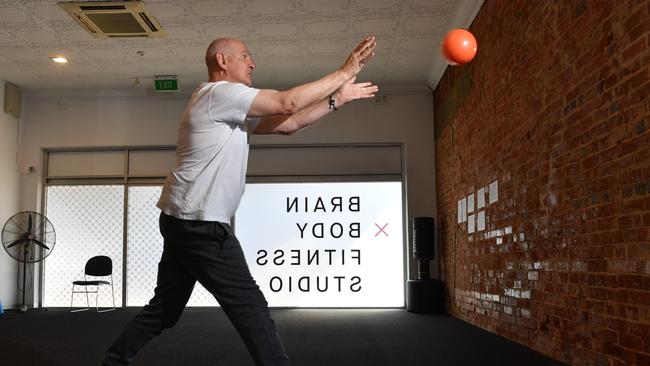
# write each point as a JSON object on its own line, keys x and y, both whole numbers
{"x": 59, "y": 60}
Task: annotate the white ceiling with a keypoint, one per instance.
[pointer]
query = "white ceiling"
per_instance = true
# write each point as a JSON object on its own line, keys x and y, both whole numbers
{"x": 292, "y": 41}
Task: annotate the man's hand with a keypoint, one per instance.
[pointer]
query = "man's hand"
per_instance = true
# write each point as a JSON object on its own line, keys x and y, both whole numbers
{"x": 350, "y": 91}
{"x": 359, "y": 57}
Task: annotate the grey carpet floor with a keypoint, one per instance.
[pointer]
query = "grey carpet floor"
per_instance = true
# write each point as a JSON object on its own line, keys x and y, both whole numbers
{"x": 312, "y": 337}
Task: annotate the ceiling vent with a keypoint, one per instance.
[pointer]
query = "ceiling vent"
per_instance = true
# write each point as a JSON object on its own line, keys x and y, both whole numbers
{"x": 115, "y": 19}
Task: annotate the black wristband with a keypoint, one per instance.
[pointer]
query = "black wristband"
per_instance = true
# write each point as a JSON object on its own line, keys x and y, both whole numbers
{"x": 331, "y": 102}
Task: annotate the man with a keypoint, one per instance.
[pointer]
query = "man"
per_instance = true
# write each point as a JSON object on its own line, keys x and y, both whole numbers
{"x": 203, "y": 192}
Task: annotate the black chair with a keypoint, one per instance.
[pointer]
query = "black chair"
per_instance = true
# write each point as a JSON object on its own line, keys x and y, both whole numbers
{"x": 98, "y": 266}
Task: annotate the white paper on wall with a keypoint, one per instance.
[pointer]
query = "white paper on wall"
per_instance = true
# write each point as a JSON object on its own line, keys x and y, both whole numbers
{"x": 470, "y": 224}
{"x": 460, "y": 211}
{"x": 480, "y": 198}
{"x": 480, "y": 221}
{"x": 470, "y": 203}
{"x": 494, "y": 192}
{"x": 463, "y": 206}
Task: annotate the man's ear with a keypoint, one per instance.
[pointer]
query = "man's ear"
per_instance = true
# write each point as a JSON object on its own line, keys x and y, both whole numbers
{"x": 221, "y": 60}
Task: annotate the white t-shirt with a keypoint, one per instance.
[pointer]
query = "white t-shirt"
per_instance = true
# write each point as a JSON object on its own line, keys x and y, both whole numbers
{"x": 211, "y": 154}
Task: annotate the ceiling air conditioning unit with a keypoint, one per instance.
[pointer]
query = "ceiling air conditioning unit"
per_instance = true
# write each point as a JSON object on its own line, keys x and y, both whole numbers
{"x": 115, "y": 19}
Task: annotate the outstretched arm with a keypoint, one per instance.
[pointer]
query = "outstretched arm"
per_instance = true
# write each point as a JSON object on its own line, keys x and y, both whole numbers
{"x": 273, "y": 102}
{"x": 290, "y": 124}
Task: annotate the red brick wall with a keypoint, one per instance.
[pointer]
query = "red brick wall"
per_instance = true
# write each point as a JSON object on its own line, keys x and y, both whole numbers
{"x": 558, "y": 112}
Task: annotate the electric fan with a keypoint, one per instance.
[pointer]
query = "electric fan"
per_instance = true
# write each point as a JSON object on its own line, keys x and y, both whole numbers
{"x": 28, "y": 237}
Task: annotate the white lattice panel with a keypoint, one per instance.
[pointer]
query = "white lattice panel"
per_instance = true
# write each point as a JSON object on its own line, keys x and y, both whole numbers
{"x": 88, "y": 221}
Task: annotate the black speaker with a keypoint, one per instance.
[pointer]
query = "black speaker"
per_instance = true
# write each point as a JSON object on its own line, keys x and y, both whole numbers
{"x": 424, "y": 237}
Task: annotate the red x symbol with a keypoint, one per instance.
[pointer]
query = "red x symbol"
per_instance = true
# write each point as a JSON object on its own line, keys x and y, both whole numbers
{"x": 381, "y": 229}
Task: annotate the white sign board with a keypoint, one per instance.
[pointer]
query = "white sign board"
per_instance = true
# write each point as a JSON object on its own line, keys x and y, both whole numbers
{"x": 325, "y": 244}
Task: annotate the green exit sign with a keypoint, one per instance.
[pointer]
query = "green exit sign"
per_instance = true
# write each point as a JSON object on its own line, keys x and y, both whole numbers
{"x": 165, "y": 84}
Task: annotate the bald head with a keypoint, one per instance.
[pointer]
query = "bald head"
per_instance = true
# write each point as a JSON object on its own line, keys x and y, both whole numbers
{"x": 219, "y": 45}
{"x": 229, "y": 59}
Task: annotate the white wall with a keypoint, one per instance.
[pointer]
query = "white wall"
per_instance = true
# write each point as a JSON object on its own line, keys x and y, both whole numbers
{"x": 74, "y": 119}
{"x": 83, "y": 119}
{"x": 9, "y": 198}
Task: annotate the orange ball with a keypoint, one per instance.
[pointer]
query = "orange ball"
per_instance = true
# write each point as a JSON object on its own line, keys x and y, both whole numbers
{"x": 459, "y": 47}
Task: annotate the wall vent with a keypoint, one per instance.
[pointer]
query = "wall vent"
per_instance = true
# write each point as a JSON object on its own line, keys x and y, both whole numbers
{"x": 115, "y": 19}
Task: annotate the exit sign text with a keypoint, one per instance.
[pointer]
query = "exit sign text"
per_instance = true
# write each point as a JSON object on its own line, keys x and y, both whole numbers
{"x": 166, "y": 84}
